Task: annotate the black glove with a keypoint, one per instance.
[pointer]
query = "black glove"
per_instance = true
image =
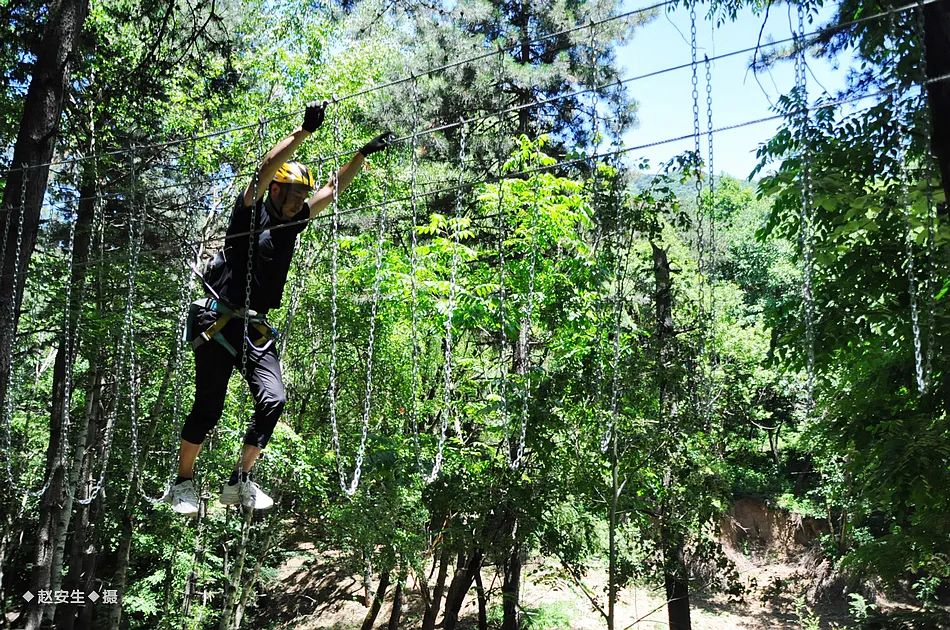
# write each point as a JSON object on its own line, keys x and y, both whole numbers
{"x": 313, "y": 117}
{"x": 380, "y": 142}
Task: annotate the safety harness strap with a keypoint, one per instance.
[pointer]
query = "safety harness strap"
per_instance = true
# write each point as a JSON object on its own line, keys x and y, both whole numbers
{"x": 227, "y": 313}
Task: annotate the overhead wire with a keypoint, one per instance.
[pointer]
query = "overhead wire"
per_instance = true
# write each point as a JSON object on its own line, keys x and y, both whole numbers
{"x": 176, "y": 246}
{"x": 794, "y": 39}
{"x": 196, "y": 137}
{"x": 376, "y": 87}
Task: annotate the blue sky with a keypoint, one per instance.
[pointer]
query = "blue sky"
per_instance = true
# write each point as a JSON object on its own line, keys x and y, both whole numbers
{"x": 666, "y": 103}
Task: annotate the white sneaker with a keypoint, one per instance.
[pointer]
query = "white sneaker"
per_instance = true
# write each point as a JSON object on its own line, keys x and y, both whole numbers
{"x": 246, "y": 493}
{"x": 182, "y": 497}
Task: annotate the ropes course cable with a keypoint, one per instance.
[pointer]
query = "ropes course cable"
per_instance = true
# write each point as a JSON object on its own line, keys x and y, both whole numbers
{"x": 830, "y": 30}
{"x": 832, "y": 103}
{"x": 387, "y": 84}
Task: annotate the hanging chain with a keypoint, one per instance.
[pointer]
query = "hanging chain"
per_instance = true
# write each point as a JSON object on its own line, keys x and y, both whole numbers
{"x": 599, "y": 227}
{"x": 68, "y": 342}
{"x": 806, "y": 233}
{"x": 413, "y": 286}
{"x": 912, "y": 286}
{"x": 334, "y": 255}
{"x": 10, "y": 317}
{"x": 698, "y": 184}
{"x": 252, "y": 237}
{"x": 620, "y": 272}
{"x": 450, "y": 312}
{"x": 524, "y": 330}
{"x": 501, "y": 222}
{"x": 503, "y": 346}
{"x": 932, "y": 217}
{"x": 370, "y": 348}
{"x": 96, "y": 227}
{"x": 711, "y": 167}
{"x": 694, "y": 79}
{"x": 710, "y": 264}
{"x": 130, "y": 324}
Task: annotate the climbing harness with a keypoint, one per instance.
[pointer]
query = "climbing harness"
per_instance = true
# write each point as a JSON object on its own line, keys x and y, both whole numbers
{"x": 227, "y": 312}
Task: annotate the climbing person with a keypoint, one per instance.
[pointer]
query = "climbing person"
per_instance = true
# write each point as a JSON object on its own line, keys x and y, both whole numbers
{"x": 277, "y": 203}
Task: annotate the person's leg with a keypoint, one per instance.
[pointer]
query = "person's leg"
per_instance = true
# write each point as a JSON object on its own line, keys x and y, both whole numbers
{"x": 266, "y": 383}
{"x": 213, "y": 367}
{"x": 187, "y": 454}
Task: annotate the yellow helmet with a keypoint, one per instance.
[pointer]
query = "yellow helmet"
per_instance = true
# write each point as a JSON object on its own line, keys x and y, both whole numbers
{"x": 294, "y": 173}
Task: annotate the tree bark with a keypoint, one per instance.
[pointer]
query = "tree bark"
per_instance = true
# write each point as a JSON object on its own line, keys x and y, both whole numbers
{"x": 461, "y": 583}
{"x": 121, "y": 572}
{"x": 937, "y": 41}
{"x": 24, "y": 190}
{"x": 674, "y": 569}
{"x": 511, "y": 587}
{"x": 377, "y": 601}
{"x": 86, "y": 517}
{"x": 482, "y": 601}
{"x": 396, "y": 613}
{"x": 235, "y": 582}
{"x": 57, "y": 502}
{"x": 432, "y": 611}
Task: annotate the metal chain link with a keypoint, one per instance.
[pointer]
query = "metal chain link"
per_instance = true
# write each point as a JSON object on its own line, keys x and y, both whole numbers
{"x": 414, "y": 385}
{"x": 129, "y": 335}
{"x": 10, "y": 317}
{"x": 370, "y": 349}
{"x": 68, "y": 342}
{"x": 96, "y": 226}
{"x": 932, "y": 216}
{"x": 598, "y": 229}
{"x": 524, "y": 331}
{"x": 697, "y": 132}
{"x": 620, "y": 271}
{"x": 334, "y": 256}
{"x": 503, "y": 345}
{"x": 501, "y": 223}
{"x": 709, "y": 361}
{"x": 806, "y": 233}
{"x": 447, "y": 397}
{"x": 912, "y": 285}
{"x": 251, "y": 252}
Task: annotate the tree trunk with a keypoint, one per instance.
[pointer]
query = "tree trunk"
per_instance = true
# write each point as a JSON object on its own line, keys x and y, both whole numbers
{"x": 612, "y": 531}
{"x": 233, "y": 585}
{"x": 461, "y": 583}
{"x": 24, "y": 190}
{"x": 482, "y": 601}
{"x": 432, "y": 610}
{"x": 511, "y": 587}
{"x": 377, "y": 602}
{"x": 82, "y": 535}
{"x": 396, "y": 613}
{"x": 937, "y": 41}
{"x": 677, "y": 584}
{"x": 121, "y": 572}
{"x": 675, "y": 577}
{"x": 57, "y": 502}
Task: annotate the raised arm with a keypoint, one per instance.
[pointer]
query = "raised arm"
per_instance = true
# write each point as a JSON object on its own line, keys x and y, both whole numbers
{"x": 324, "y": 197}
{"x": 282, "y": 152}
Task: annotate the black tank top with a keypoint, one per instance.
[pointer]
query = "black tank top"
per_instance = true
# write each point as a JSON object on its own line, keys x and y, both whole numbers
{"x": 271, "y": 253}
